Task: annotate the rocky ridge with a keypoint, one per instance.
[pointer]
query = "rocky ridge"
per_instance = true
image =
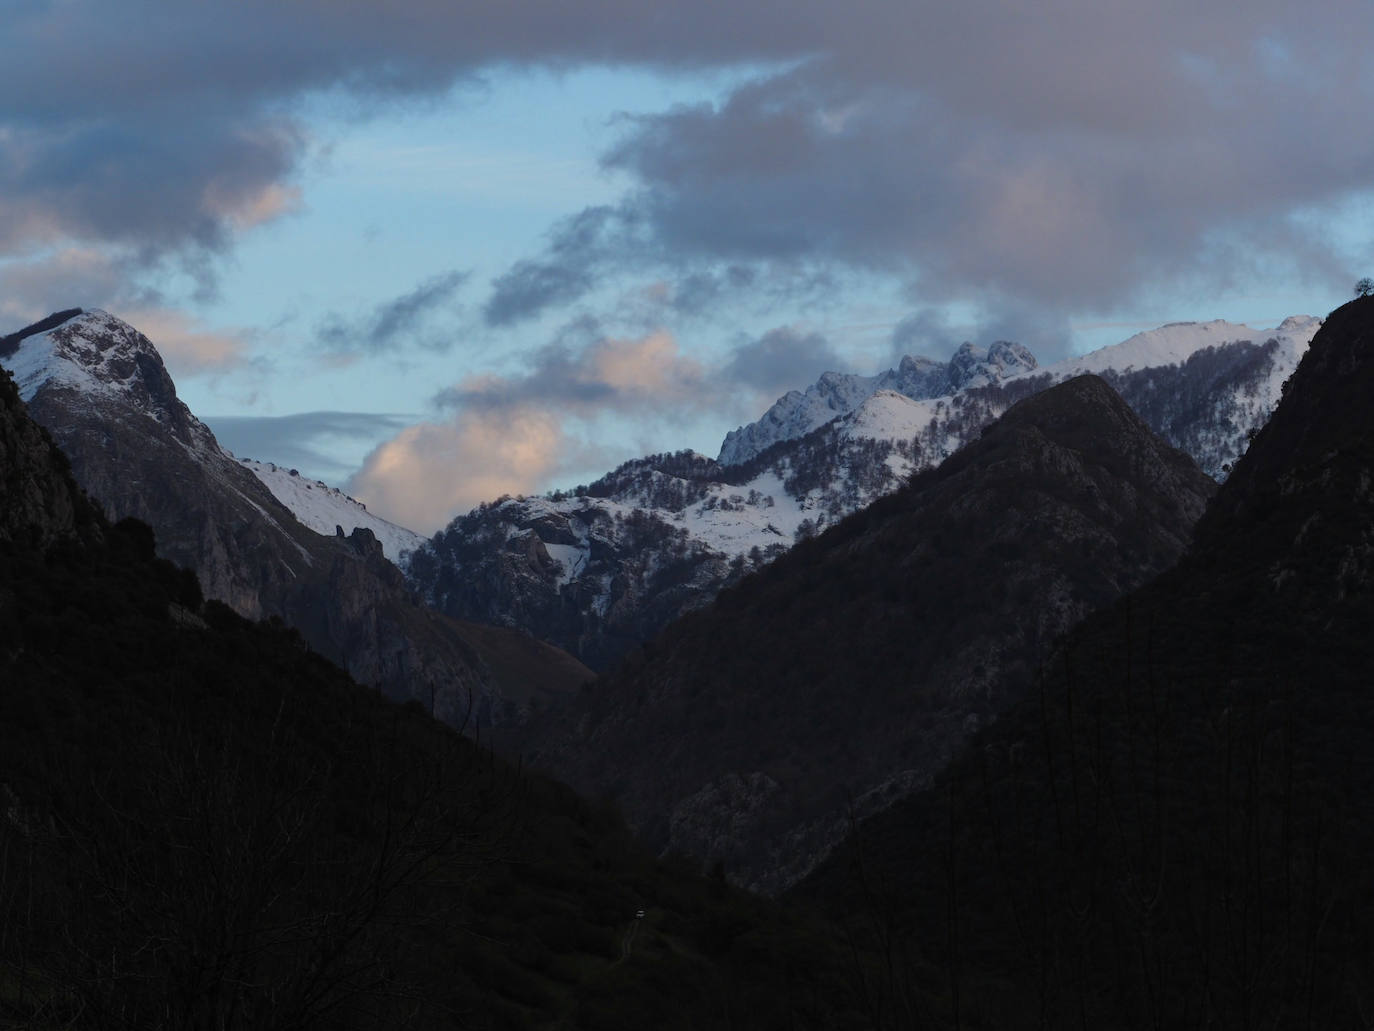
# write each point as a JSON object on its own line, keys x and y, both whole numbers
{"x": 101, "y": 389}
{"x": 797, "y": 413}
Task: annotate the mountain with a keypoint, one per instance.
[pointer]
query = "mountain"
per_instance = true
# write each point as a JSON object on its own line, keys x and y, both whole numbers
{"x": 601, "y": 569}
{"x": 797, "y": 413}
{"x": 204, "y": 824}
{"x": 101, "y": 389}
{"x": 850, "y": 669}
{"x": 321, "y": 508}
{"x": 1203, "y": 386}
{"x": 1175, "y": 828}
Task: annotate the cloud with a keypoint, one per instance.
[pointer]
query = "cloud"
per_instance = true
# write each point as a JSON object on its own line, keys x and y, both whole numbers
{"x": 398, "y": 322}
{"x": 579, "y": 248}
{"x": 177, "y": 184}
{"x": 71, "y": 277}
{"x": 1069, "y": 159}
{"x": 1079, "y": 160}
{"x": 299, "y": 440}
{"x": 931, "y": 332}
{"x": 510, "y": 434}
{"x": 428, "y": 473}
{"x": 648, "y": 373}
{"x": 78, "y": 277}
{"x": 782, "y": 359}
{"x": 186, "y": 347}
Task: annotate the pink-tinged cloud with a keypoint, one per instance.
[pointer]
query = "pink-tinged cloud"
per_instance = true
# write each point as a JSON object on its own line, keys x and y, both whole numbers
{"x": 511, "y": 434}
{"x": 429, "y": 473}
{"x": 639, "y": 374}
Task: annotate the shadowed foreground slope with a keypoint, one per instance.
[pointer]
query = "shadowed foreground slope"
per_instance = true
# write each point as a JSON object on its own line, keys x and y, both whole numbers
{"x": 204, "y": 824}
{"x": 853, "y": 667}
{"x": 1176, "y": 829}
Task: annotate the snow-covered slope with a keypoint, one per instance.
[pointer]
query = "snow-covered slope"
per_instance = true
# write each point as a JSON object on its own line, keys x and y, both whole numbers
{"x": 1238, "y": 368}
{"x": 797, "y": 412}
{"x": 326, "y": 509}
{"x": 99, "y": 355}
{"x": 1178, "y": 341}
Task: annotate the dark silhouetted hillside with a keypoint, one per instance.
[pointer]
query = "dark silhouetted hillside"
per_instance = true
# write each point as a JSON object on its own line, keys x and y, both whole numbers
{"x": 204, "y": 824}
{"x": 1176, "y": 828}
{"x": 848, "y": 671}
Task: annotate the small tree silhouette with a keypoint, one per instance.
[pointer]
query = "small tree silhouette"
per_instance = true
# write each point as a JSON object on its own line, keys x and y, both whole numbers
{"x": 1364, "y": 287}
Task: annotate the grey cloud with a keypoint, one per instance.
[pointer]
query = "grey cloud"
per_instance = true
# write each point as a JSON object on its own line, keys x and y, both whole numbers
{"x": 965, "y": 209}
{"x": 1072, "y": 158}
{"x": 699, "y": 292}
{"x": 67, "y": 279}
{"x": 930, "y": 332}
{"x": 181, "y": 186}
{"x": 158, "y": 127}
{"x": 290, "y": 440}
{"x": 1072, "y": 162}
{"x": 557, "y": 376}
{"x": 782, "y": 359}
{"x": 583, "y": 372}
{"x": 580, "y": 247}
{"x": 397, "y": 322}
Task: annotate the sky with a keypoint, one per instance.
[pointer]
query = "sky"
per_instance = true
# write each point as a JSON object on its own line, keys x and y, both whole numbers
{"x": 435, "y": 251}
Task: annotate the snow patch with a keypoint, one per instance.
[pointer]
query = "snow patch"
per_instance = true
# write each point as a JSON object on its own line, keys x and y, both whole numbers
{"x": 322, "y": 508}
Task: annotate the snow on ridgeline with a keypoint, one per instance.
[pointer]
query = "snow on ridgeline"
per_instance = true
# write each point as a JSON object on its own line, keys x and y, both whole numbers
{"x": 936, "y": 390}
{"x": 836, "y": 394}
{"x": 323, "y": 508}
{"x": 1176, "y": 342}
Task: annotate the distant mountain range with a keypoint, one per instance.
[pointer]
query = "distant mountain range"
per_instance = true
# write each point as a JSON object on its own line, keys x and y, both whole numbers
{"x": 601, "y": 569}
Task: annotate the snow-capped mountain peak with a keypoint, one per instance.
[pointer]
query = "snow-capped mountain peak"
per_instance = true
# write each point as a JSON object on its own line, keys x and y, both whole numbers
{"x": 836, "y": 394}
{"x": 605, "y": 566}
{"x": 96, "y": 359}
{"x": 93, "y": 352}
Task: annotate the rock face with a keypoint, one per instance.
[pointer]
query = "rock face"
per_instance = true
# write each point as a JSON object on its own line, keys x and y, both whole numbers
{"x": 602, "y": 569}
{"x": 850, "y": 670}
{"x": 103, "y": 392}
